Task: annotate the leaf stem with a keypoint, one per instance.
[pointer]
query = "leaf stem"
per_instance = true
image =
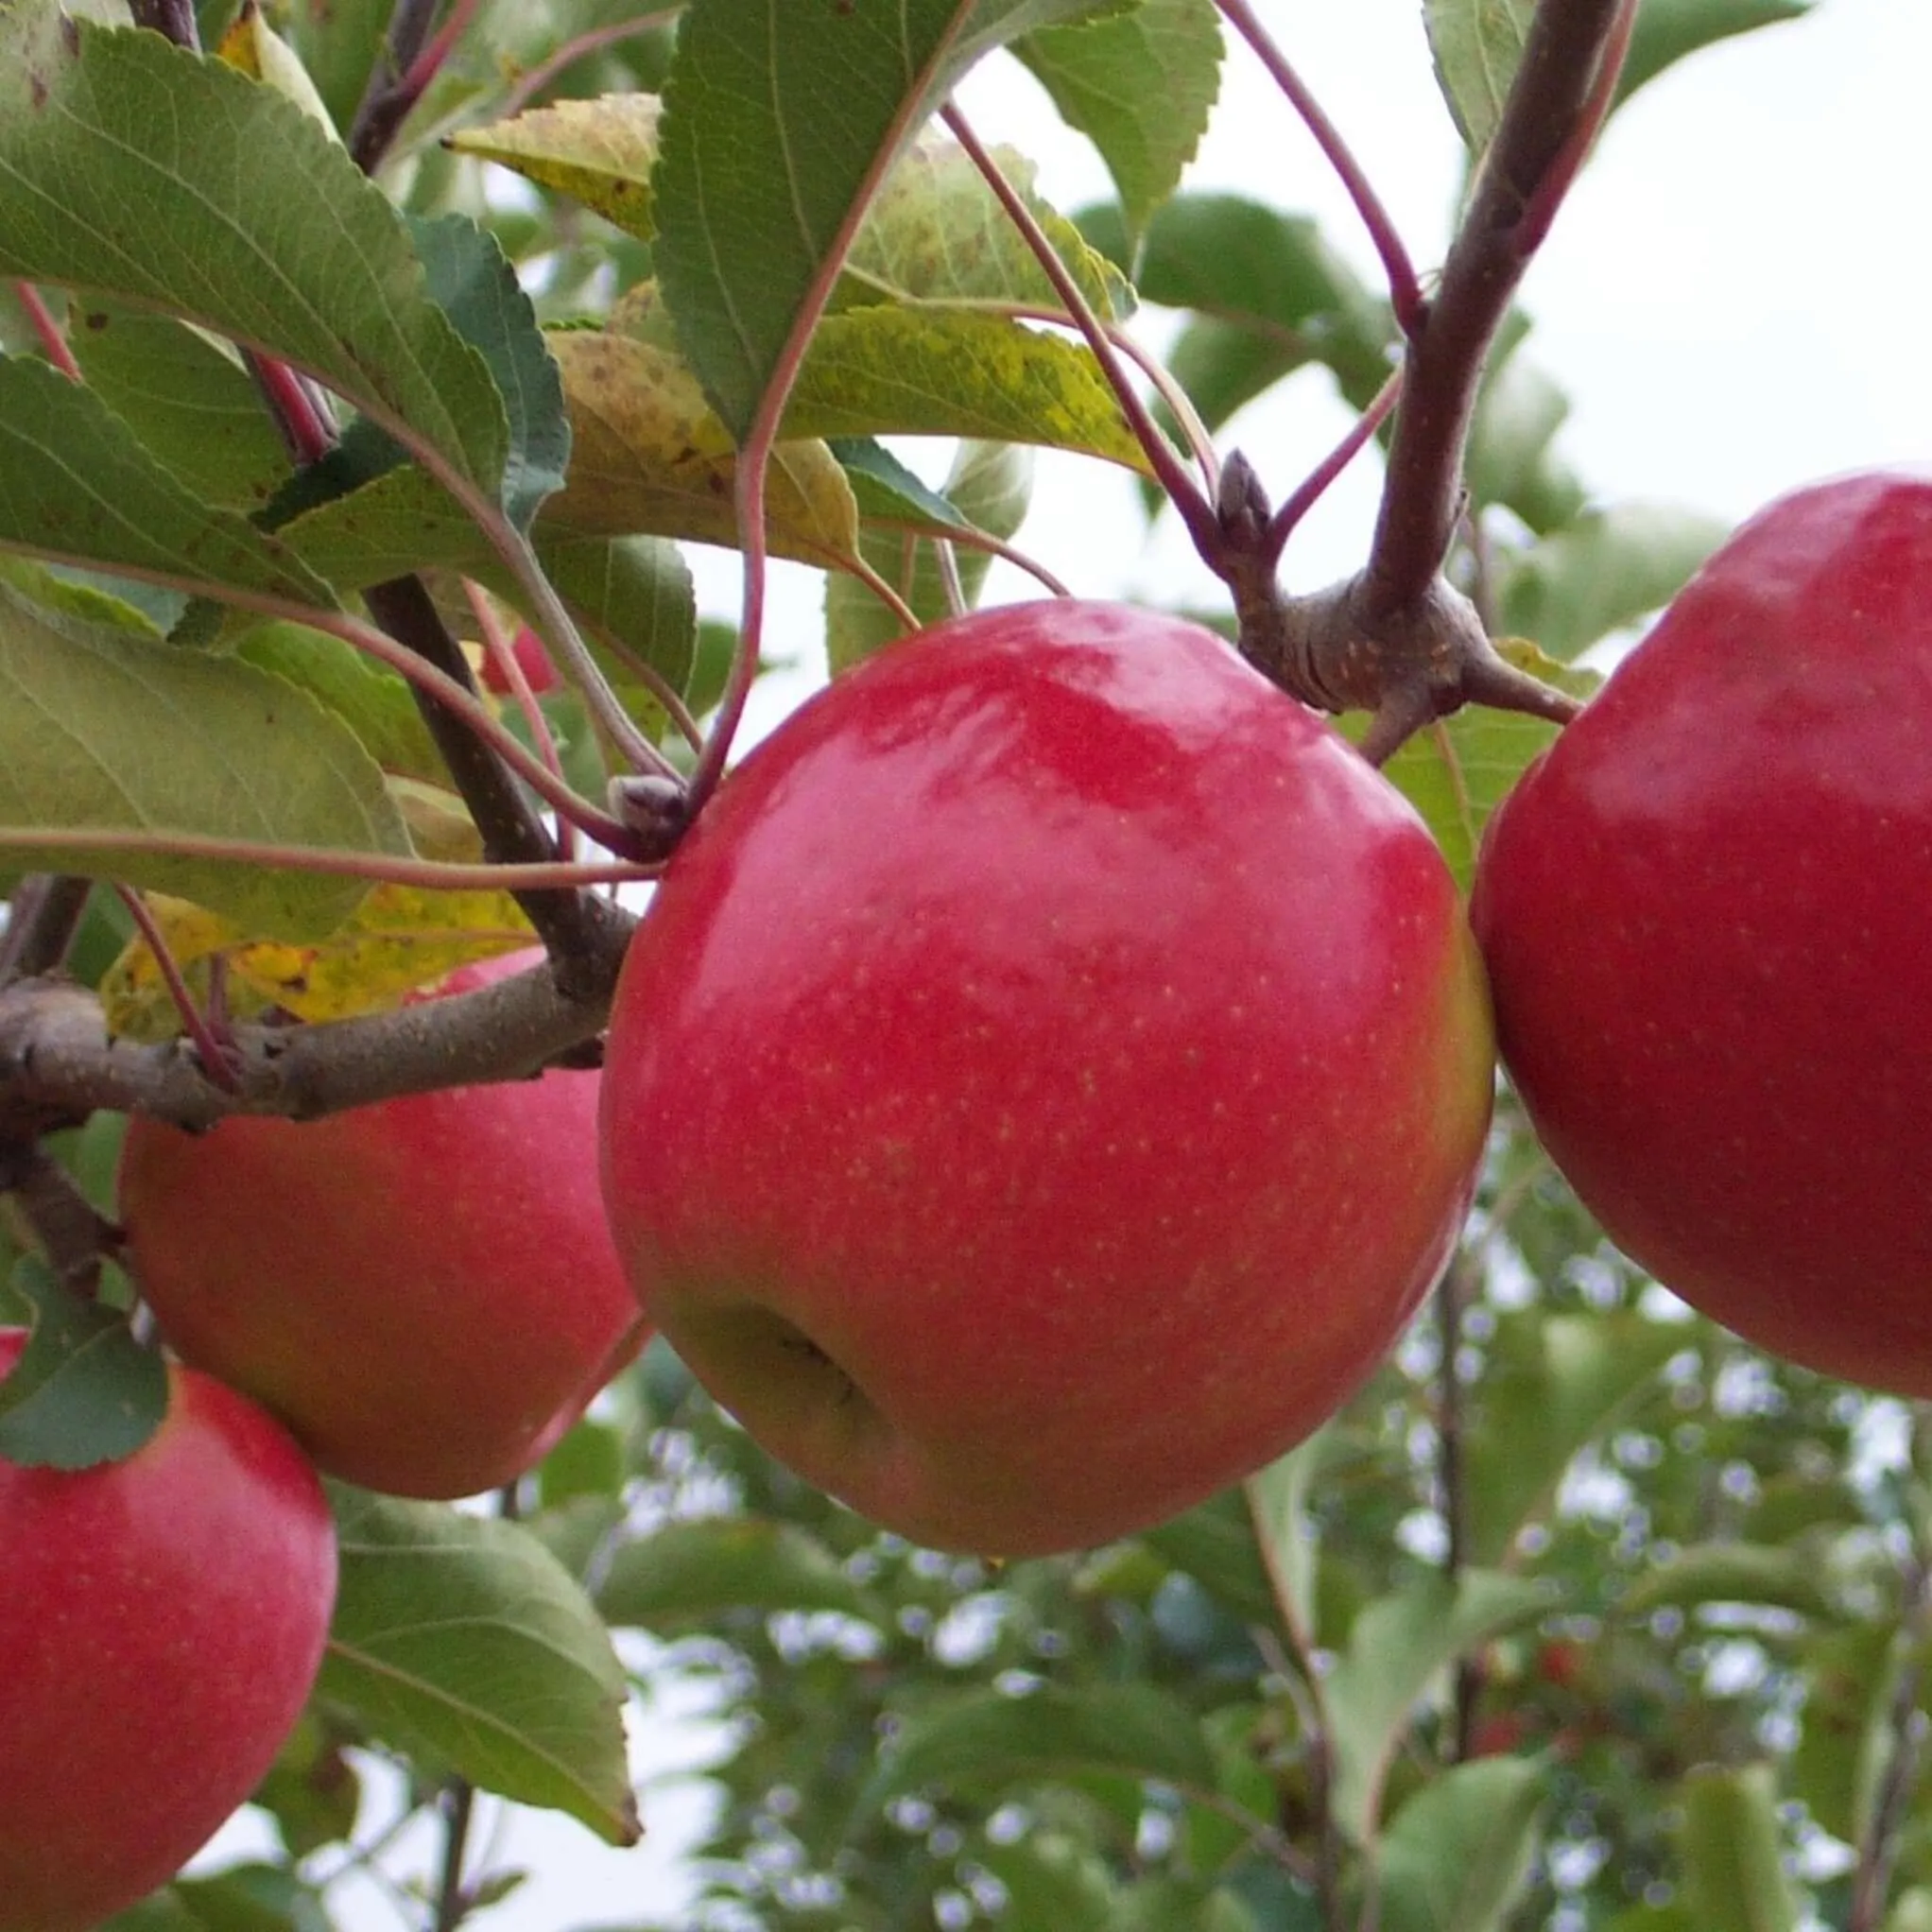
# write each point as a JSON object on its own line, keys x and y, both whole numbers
{"x": 215, "y": 1058}
{"x": 1310, "y": 489}
{"x": 431, "y": 875}
{"x": 1186, "y": 497}
{"x": 1404, "y": 289}
{"x": 47, "y": 332}
{"x": 570, "y": 52}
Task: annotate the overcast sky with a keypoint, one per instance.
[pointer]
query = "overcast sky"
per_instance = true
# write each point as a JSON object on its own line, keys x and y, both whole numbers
{"x": 1733, "y": 298}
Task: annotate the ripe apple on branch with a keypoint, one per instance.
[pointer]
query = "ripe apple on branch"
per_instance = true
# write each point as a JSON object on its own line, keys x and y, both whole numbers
{"x": 1047, "y": 1074}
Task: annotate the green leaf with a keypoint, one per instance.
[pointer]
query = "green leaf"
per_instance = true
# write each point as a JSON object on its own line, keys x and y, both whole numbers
{"x": 989, "y": 490}
{"x": 187, "y": 397}
{"x": 1396, "y": 1647}
{"x": 918, "y": 373}
{"x": 1457, "y": 1856}
{"x": 1554, "y": 1382}
{"x": 84, "y": 1392}
{"x": 986, "y": 1741}
{"x": 632, "y": 595}
{"x": 1054, "y": 1883}
{"x": 1140, "y": 87}
{"x": 1603, "y": 572}
{"x": 687, "y": 1572}
{"x": 935, "y": 234}
{"x": 136, "y": 170}
{"x": 461, "y": 1637}
{"x": 1730, "y": 1842}
{"x": 104, "y": 732}
{"x": 1510, "y": 459}
{"x": 1788, "y": 1577}
{"x": 601, "y": 152}
{"x": 250, "y": 1898}
{"x": 1846, "y": 1741}
{"x": 74, "y": 485}
{"x": 473, "y": 285}
{"x": 1215, "y": 1544}
{"x": 1285, "y": 1529}
{"x": 1477, "y": 45}
{"x": 370, "y": 699}
{"x": 1667, "y": 31}
{"x": 779, "y": 122}
{"x": 650, "y": 456}
{"x": 1272, "y": 297}
{"x": 1457, "y": 770}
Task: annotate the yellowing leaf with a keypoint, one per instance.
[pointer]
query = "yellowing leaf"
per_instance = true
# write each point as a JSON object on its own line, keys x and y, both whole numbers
{"x": 599, "y": 151}
{"x": 648, "y": 454}
{"x": 399, "y": 939}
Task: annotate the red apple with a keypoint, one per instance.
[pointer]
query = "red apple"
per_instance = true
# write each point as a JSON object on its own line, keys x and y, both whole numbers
{"x": 1707, "y": 913}
{"x": 426, "y": 1290}
{"x": 540, "y": 673}
{"x": 160, "y": 1622}
{"x": 1045, "y": 1079}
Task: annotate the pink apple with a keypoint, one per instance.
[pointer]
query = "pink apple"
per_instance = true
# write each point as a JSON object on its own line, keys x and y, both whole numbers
{"x": 426, "y": 1290}
{"x": 1046, "y": 1081}
{"x": 1708, "y": 918}
{"x": 162, "y": 1620}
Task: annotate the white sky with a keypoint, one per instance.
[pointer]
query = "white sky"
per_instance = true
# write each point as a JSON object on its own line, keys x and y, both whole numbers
{"x": 1730, "y": 298}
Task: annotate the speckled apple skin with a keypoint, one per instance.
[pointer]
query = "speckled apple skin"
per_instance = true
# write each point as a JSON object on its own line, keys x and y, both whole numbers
{"x": 424, "y": 1290}
{"x": 162, "y": 1620}
{"x": 1046, "y": 1081}
{"x": 1707, "y": 913}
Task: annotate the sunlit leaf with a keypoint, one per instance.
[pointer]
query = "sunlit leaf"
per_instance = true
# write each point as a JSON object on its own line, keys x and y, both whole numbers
{"x": 461, "y": 1637}
{"x": 761, "y": 176}
{"x": 1140, "y": 87}
{"x": 156, "y": 740}
{"x": 1477, "y": 45}
{"x": 399, "y": 940}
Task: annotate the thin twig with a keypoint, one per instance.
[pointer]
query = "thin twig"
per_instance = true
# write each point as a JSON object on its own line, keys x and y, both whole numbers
{"x": 459, "y": 1805}
{"x": 42, "y": 917}
{"x": 386, "y": 95}
{"x": 1451, "y": 1295}
{"x": 1565, "y": 59}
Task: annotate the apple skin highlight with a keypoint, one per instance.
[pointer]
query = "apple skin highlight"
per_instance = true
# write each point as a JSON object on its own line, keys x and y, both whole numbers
{"x": 1047, "y": 1080}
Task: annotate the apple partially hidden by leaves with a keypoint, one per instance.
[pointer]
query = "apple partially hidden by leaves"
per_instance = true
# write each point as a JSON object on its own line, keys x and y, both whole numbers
{"x": 1045, "y": 1079}
{"x": 1707, "y": 913}
{"x": 540, "y": 673}
{"x": 425, "y": 1290}
{"x": 162, "y": 1620}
